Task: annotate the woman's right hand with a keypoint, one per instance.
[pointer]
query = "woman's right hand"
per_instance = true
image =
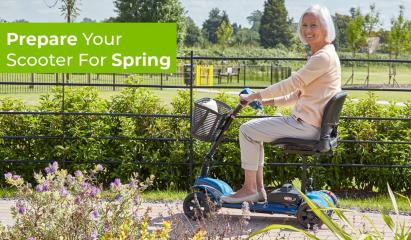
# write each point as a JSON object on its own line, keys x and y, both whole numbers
{"x": 243, "y": 99}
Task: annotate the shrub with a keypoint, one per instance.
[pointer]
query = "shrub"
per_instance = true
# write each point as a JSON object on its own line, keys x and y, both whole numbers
{"x": 65, "y": 206}
{"x": 141, "y": 143}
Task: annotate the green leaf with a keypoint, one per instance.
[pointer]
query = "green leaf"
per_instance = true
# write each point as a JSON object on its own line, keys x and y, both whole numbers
{"x": 337, "y": 230}
{"x": 281, "y": 226}
{"x": 394, "y": 202}
{"x": 373, "y": 225}
{"x": 388, "y": 220}
{"x": 366, "y": 237}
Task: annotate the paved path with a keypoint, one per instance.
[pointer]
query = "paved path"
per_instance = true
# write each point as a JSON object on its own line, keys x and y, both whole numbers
{"x": 230, "y": 222}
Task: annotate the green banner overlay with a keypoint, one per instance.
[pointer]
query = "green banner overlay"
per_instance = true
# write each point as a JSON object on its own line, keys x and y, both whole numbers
{"x": 88, "y": 47}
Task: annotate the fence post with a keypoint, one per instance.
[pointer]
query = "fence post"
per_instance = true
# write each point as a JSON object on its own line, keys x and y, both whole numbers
{"x": 161, "y": 81}
{"x": 271, "y": 73}
{"x": 244, "y": 73}
{"x": 190, "y": 158}
{"x": 63, "y": 123}
{"x": 88, "y": 78}
{"x": 32, "y": 81}
{"x": 114, "y": 82}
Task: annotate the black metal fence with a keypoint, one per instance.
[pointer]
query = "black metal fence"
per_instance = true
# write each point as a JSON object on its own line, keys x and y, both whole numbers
{"x": 245, "y": 75}
{"x": 231, "y": 72}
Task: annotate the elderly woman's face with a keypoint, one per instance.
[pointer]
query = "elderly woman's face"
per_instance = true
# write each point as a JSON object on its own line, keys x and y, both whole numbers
{"x": 312, "y": 30}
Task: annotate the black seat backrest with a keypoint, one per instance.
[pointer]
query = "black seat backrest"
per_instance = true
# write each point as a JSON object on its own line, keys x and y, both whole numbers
{"x": 330, "y": 121}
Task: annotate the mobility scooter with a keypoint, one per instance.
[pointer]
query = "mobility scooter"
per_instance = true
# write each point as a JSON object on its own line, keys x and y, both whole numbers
{"x": 211, "y": 118}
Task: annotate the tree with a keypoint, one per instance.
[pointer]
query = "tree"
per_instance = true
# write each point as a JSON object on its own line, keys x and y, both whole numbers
{"x": 224, "y": 33}
{"x": 355, "y": 35}
{"x": 371, "y": 21}
{"x": 193, "y": 33}
{"x": 255, "y": 20}
{"x": 69, "y": 8}
{"x": 341, "y": 23}
{"x": 152, "y": 11}
{"x": 88, "y": 20}
{"x": 398, "y": 39}
{"x": 246, "y": 36}
{"x": 274, "y": 28}
{"x": 211, "y": 24}
{"x": 235, "y": 27}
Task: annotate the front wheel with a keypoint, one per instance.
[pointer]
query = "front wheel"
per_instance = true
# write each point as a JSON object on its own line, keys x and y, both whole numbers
{"x": 307, "y": 218}
{"x": 197, "y": 205}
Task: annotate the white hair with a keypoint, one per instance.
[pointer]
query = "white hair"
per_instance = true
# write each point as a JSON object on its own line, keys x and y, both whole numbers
{"x": 324, "y": 16}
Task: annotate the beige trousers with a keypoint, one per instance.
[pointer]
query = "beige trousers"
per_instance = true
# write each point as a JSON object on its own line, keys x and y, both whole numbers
{"x": 258, "y": 131}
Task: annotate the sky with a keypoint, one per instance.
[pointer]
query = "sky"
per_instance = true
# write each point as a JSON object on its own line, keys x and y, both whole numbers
{"x": 237, "y": 10}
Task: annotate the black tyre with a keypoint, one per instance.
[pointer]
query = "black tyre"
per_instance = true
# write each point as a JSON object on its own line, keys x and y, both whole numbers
{"x": 307, "y": 218}
{"x": 197, "y": 205}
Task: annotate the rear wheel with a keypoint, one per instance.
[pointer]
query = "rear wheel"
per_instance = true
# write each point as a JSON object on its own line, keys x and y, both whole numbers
{"x": 307, "y": 218}
{"x": 198, "y": 205}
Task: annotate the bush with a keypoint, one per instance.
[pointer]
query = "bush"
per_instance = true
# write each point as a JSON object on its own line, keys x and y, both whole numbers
{"x": 141, "y": 144}
{"x": 65, "y": 206}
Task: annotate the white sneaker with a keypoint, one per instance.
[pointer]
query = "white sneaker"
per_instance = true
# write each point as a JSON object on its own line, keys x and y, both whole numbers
{"x": 262, "y": 196}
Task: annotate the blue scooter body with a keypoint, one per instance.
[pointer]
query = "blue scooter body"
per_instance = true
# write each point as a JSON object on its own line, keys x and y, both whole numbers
{"x": 218, "y": 188}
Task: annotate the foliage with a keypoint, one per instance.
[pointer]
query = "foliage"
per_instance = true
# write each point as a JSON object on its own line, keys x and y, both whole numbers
{"x": 224, "y": 33}
{"x": 193, "y": 34}
{"x": 211, "y": 25}
{"x": 399, "y": 37}
{"x": 152, "y": 11}
{"x": 255, "y": 20}
{"x": 275, "y": 25}
{"x": 355, "y": 31}
{"x": 341, "y": 23}
{"x": 144, "y": 143}
{"x": 69, "y": 9}
{"x": 65, "y": 206}
{"x": 399, "y": 229}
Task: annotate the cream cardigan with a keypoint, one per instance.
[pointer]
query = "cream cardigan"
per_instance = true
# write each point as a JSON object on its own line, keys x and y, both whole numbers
{"x": 319, "y": 80}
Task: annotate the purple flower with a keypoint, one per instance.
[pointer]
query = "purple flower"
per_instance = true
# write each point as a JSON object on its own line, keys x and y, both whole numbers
{"x": 94, "y": 235}
{"x": 70, "y": 178}
{"x": 98, "y": 168}
{"x": 52, "y": 168}
{"x": 31, "y": 238}
{"x": 119, "y": 197}
{"x": 116, "y": 184}
{"x": 95, "y": 214}
{"x": 94, "y": 191}
{"x": 85, "y": 185}
{"x": 8, "y": 175}
{"x": 21, "y": 208}
{"x": 78, "y": 173}
{"x": 63, "y": 192}
{"x": 15, "y": 177}
{"x": 46, "y": 186}
{"x": 77, "y": 199}
{"x": 39, "y": 188}
{"x": 132, "y": 184}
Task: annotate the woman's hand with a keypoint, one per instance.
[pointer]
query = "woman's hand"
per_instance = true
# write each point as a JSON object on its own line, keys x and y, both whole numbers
{"x": 245, "y": 99}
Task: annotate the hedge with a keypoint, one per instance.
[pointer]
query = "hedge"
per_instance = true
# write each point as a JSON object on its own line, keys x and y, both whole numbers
{"x": 86, "y": 147}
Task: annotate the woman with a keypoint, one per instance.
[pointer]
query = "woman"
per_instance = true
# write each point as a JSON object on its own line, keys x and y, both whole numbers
{"x": 309, "y": 89}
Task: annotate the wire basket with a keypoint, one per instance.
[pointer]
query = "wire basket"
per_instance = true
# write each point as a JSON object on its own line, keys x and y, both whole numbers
{"x": 208, "y": 115}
